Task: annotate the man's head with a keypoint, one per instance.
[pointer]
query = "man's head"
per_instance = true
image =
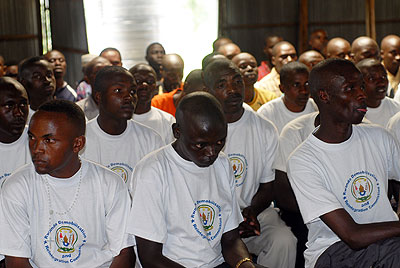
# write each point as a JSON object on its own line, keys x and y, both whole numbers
{"x": 311, "y": 58}
{"x": 248, "y": 67}
{"x": 294, "y": 86}
{"x": 154, "y": 55}
{"x": 318, "y": 40}
{"x": 338, "y": 48}
{"x": 224, "y": 80}
{"x": 93, "y": 67}
{"x": 13, "y": 109}
{"x": 229, "y": 50}
{"x": 172, "y": 71}
{"x": 2, "y": 66}
{"x": 115, "y": 93}
{"x": 200, "y": 129}
{"x": 113, "y": 55}
{"x": 220, "y": 42}
{"x": 269, "y": 43}
{"x": 364, "y": 47}
{"x": 36, "y": 75}
{"x": 57, "y": 60}
{"x": 146, "y": 79}
{"x": 283, "y": 53}
{"x": 210, "y": 57}
{"x": 56, "y": 135}
{"x": 375, "y": 80}
{"x": 390, "y": 53}
{"x": 336, "y": 86}
{"x": 12, "y": 69}
{"x": 193, "y": 83}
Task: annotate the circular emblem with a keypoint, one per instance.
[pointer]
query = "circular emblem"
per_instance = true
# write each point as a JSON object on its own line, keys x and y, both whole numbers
{"x": 239, "y": 165}
{"x": 207, "y": 215}
{"x": 206, "y": 219}
{"x": 66, "y": 238}
{"x": 122, "y": 172}
{"x": 361, "y": 189}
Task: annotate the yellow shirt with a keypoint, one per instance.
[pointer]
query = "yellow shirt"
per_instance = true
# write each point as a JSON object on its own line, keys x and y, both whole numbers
{"x": 261, "y": 97}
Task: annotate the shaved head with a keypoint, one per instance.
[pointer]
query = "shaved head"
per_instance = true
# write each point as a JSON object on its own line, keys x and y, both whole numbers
{"x": 172, "y": 71}
{"x": 311, "y": 58}
{"x": 220, "y": 42}
{"x": 364, "y": 47}
{"x": 229, "y": 50}
{"x": 338, "y": 48}
{"x": 142, "y": 67}
{"x": 390, "y": 53}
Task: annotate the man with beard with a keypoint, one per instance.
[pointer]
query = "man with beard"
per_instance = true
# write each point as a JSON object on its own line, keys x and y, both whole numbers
{"x": 63, "y": 90}
{"x": 390, "y": 53}
{"x": 113, "y": 139}
{"x": 255, "y": 98}
{"x": 160, "y": 121}
{"x": 340, "y": 174}
{"x": 154, "y": 55}
{"x": 295, "y": 100}
{"x": 37, "y": 77}
{"x": 251, "y": 146}
{"x": 380, "y": 107}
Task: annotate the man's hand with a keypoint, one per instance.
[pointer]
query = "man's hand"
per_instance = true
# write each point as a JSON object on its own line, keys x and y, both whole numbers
{"x": 250, "y": 226}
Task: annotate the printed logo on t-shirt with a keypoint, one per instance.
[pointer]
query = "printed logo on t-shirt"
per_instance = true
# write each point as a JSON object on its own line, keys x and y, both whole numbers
{"x": 239, "y": 165}
{"x": 362, "y": 191}
{"x": 121, "y": 169}
{"x": 64, "y": 241}
{"x": 209, "y": 214}
{"x": 5, "y": 175}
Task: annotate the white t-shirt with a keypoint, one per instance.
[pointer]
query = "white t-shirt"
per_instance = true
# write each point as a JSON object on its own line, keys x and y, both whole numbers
{"x": 277, "y": 112}
{"x": 251, "y": 146}
{"x": 383, "y": 112}
{"x": 14, "y": 155}
{"x": 393, "y": 126}
{"x": 185, "y": 207}
{"x": 30, "y": 114}
{"x": 293, "y": 134}
{"x": 158, "y": 120}
{"x": 120, "y": 153}
{"x": 352, "y": 175}
{"x": 75, "y": 222}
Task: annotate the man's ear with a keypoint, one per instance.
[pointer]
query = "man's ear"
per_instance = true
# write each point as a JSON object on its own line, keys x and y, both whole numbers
{"x": 176, "y": 130}
{"x": 273, "y": 60}
{"x": 97, "y": 97}
{"x": 352, "y": 56}
{"x": 282, "y": 88}
{"x": 79, "y": 143}
{"x": 323, "y": 96}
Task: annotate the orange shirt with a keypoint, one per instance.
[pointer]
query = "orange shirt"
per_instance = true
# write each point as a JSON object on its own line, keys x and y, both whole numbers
{"x": 165, "y": 101}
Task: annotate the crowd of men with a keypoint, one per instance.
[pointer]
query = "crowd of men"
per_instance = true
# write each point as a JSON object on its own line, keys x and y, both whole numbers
{"x": 292, "y": 163}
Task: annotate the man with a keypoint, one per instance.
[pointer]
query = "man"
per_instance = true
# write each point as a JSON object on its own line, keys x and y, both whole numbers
{"x": 196, "y": 182}
{"x": 390, "y": 53}
{"x": 282, "y": 53}
{"x": 380, "y": 107}
{"x": 113, "y": 139}
{"x": 63, "y": 90}
{"x": 295, "y": 100}
{"x": 338, "y": 48}
{"x": 172, "y": 73}
{"x": 61, "y": 209}
{"x": 364, "y": 47}
{"x": 89, "y": 104}
{"x": 37, "y": 77}
{"x": 154, "y": 55}
{"x": 247, "y": 65}
{"x": 169, "y": 101}
{"x": 208, "y": 58}
{"x": 311, "y": 58}
{"x": 340, "y": 175}
{"x": 113, "y": 55}
{"x": 220, "y": 41}
{"x": 318, "y": 40}
{"x": 266, "y": 66}
{"x": 154, "y": 118}
{"x": 229, "y": 50}
{"x": 264, "y": 233}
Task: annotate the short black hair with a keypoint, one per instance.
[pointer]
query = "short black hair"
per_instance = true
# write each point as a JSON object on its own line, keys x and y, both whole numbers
{"x": 152, "y": 44}
{"x": 368, "y": 63}
{"x": 291, "y": 68}
{"x": 26, "y": 64}
{"x": 110, "y": 49}
{"x": 73, "y": 112}
{"x": 107, "y": 75}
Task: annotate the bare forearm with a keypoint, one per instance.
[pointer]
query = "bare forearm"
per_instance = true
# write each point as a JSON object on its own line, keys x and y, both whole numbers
{"x": 233, "y": 249}
{"x": 159, "y": 262}
{"x": 16, "y": 262}
{"x": 126, "y": 258}
{"x": 284, "y": 196}
{"x": 263, "y": 197}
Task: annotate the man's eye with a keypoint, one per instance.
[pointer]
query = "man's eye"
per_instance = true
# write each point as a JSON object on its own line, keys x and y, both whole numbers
{"x": 117, "y": 90}
{"x": 200, "y": 145}
{"x": 220, "y": 142}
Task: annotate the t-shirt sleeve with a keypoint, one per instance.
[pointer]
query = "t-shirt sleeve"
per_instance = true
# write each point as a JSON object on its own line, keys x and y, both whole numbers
{"x": 14, "y": 222}
{"x": 393, "y": 158}
{"x": 313, "y": 196}
{"x": 147, "y": 219}
{"x": 269, "y": 152}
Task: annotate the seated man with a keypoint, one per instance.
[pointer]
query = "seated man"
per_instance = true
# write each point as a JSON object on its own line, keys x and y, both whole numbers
{"x": 61, "y": 209}
{"x": 380, "y": 107}
{"x": 63, "y": 90}
{"x": 266, "y": 66}
{"x": 338, "y": 48}
{"x": 340, "y": 176}
{"x": 37, "y": 77}
{"x": 390, "y": 53}
{"x": 191, "y": 180}
{"x": 364, "y": 47}
{"x": 171, "y": 71}
{"x": 113, "y": 139}
{"x": 113, "y": 55}
{"x": 154, "y": 54}
{"x": 296, "y": 99}
{"x": 154, "y": 118}
{"x": 311, "y": 58}
{"x": 255, "y": 98}
{"x": 229, "y": 50}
